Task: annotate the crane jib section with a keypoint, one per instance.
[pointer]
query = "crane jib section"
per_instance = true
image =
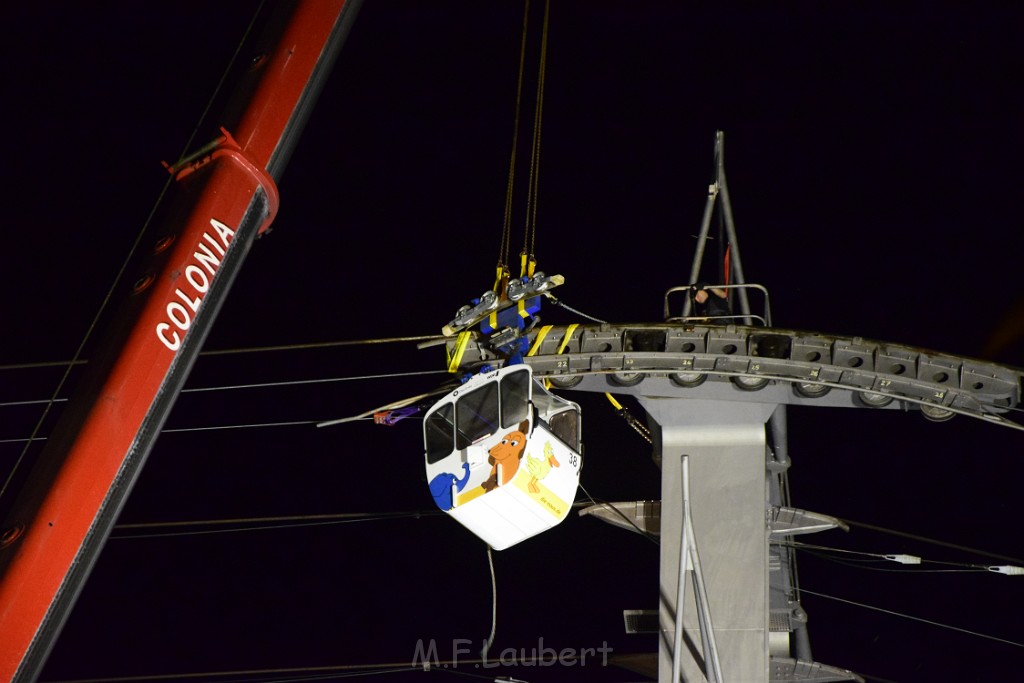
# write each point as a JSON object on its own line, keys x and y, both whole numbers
{"x": 53, "y": 531}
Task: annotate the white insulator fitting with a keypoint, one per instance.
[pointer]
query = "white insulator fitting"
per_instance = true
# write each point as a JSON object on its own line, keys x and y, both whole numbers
{"x": 904, "y": 559}
{"x": 1007, "y": 569}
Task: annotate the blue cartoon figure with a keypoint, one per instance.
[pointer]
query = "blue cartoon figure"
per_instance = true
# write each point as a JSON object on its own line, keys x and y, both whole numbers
{"x": 441, "y": 487}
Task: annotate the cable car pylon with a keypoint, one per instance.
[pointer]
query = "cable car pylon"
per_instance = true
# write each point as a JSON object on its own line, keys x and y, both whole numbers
{"x": 715, "y": 384}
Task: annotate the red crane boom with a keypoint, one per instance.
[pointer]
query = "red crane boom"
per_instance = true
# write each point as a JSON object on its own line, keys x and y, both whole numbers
{"x": 224, "y": 197}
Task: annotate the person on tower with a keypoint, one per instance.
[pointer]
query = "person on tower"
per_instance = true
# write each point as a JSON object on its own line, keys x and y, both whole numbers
{"x": 710, "y": 302}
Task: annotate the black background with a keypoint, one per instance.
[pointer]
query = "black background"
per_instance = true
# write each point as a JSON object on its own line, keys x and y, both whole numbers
{"x": 873, "y": 153}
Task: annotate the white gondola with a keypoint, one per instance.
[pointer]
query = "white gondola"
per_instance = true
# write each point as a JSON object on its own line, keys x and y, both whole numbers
{"x": 503, "y": 455}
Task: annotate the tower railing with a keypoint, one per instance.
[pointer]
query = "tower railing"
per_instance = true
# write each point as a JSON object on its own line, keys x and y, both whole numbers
{"x": 685, "y": 308}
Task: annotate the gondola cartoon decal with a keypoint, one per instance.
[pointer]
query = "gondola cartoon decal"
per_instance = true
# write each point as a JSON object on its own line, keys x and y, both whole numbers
{"x": 505, "y": 457}
{"x": 445, "y": 485}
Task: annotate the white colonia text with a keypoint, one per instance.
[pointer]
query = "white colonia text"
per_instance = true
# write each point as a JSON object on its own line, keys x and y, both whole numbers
{"x": 181, "y": 311}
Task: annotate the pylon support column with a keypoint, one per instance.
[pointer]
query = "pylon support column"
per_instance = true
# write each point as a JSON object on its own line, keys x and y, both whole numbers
{"x": 726, "y": 444}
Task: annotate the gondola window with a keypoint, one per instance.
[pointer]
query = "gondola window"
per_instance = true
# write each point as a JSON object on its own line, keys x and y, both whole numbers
{"x": 515, "y": 398}
{"x": 440, "y": 433}
{"x": 476, "y": 415}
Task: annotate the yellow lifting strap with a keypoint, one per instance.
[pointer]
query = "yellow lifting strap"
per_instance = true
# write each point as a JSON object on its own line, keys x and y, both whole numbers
{"x": 492, "y": 319}
{"x": 568, "y": 335}
{"x": 527, "y": 264}
{"x": 501, "y": 280}
{"x": 543, "y": 332}
{"x": 521, "y": 309}
{"x": 455, "y": 356}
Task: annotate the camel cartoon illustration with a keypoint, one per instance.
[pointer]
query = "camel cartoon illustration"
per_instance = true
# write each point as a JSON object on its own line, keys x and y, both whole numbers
{"x": 507, "y": 453}
{"x": 539, "y": 467}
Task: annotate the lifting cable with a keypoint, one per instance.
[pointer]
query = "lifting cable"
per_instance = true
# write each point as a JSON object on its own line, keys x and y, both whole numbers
{"x": 530, "y": 227}
{"x": 527, "y": 257}
{"x": 506, "y": 231}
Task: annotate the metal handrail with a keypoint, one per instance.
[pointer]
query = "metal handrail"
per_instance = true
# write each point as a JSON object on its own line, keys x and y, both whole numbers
{"x": 765, "y": 320}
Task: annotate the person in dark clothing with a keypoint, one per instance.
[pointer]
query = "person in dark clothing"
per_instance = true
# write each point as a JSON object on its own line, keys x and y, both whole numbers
{"x": 710, "y": 302}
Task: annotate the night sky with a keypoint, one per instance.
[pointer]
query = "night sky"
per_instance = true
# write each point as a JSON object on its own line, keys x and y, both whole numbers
{"x": 873, "y": 156}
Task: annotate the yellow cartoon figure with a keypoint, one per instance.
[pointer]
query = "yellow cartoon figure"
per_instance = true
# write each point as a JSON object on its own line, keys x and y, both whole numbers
{"x": 539, "y": 468}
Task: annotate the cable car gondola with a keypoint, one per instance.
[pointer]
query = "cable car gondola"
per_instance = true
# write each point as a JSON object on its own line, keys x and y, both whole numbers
{"x": 502, "y": 455}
